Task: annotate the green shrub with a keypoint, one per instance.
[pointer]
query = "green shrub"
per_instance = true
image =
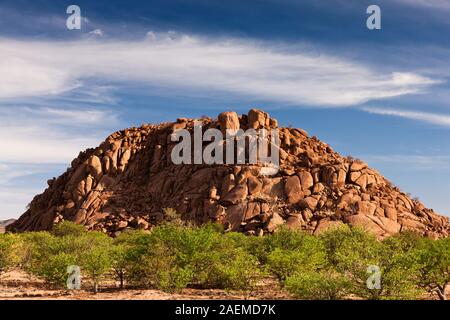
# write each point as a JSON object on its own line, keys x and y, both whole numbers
{"x": 293, "y": 251}
{"x": 173, "y": 257}
{"x": 67, "y": 228}
{"x": 351, "y": 251}
{"x": 34, "y": 246}
{"x": 97, "y": 259}
{"x": 54, "y": 268}
{"x": 434, "y": 265}
{"x": 9, "y": 245}
{"x": 286, "y": 239}
{"x": 226, "y": 267}
{"x": 399, "y": 265}
{"x": 317, "y": 285}
{"x": 48, "y": 255}
{"x": 119, "y": 262}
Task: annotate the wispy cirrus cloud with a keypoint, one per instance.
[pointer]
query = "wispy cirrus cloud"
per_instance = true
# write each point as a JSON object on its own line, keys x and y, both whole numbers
{"x": 40, "y": 142}
{"x": 238, "y": 66}
{"x": 432, "y": 118}
{"x": 50, "y": 135}
{"x": 417, "y": 162}
{"x": 433, "y": 4}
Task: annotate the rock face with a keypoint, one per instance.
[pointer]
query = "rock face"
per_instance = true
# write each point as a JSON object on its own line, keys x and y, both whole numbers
{"x": 129, "y": 179}
{"x": 5, "y": 223}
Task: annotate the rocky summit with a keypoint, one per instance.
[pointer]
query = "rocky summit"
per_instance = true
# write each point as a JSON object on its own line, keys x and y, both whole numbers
{"x": 129, "y": 180}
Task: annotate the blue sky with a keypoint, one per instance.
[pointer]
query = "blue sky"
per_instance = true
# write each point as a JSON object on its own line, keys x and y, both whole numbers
{"x": 381, "y": 95}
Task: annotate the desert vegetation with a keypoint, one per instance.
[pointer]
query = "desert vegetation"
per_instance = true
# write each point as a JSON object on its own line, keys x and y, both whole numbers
{"x": 173, "y": 256}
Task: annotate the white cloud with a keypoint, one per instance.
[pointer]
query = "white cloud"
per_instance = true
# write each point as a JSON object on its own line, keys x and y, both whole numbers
{"x": 13, "y": 201}
{"x": 10, "y": 171}
{"x": 257, "y": 70}
{"x": 422, "y": 162}
{"x": 48, "y": 135}
{"x": 433, "y": 4}
{"x": 15, "y": 187}
{"x": 96, "y": 33}
{"x": 43, "y": 141}
{"x": 433, "y": 118}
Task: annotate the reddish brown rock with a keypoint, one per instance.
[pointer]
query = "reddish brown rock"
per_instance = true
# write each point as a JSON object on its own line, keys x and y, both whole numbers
{"x": 306, "y": 180}
{"x": 229, "y": 120}
{"x": 129, "y": 180}
{"x": 326, "y": 224}
{"x": 293, "y": 189}
{"x": 258, "y": 119}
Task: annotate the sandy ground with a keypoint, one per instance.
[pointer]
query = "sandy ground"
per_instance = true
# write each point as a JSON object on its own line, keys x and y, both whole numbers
{"x": 16, "y": 285}
{"x": 19, "y": 285}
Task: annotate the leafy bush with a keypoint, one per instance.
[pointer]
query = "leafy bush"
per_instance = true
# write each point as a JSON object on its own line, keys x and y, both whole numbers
{"x": 9, "y": 245}
{"x": 174, "y": 256}
{"x": 306, "y": 252}
{"x": 54, "y": 268}
{"x": 226, "y": 267}
{"x": 434, "y": 265}
{"x": 351, "y": 252}
{"x": 318, "y": 285}
{"x": 399, "y": 264}
{"x": 97, "y": 260}
{"x": 67, "y": 228}
{"x": 286, "y": 239}
{"x": 48, "y": 255}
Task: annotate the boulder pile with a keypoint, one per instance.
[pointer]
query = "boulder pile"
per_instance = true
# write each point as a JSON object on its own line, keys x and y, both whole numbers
{"x": 129, "y": 180}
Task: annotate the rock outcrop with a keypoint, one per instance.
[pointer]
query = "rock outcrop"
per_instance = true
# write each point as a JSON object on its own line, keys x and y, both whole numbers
{"x": 129, "y": 179}
{"x": 5, "y": 223}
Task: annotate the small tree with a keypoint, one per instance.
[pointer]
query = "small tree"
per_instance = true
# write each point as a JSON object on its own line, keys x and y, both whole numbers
{"x": 399, "y": 265}
{"x": 34, "y": 249}
{"x": 119, "y": 262}
{"x": 434, "y": 266}
{"x": 97, "y": 260}
{"x": 54, "y": 268}
{"x": 353, "y": 251}
{"x": 48, "y": 256}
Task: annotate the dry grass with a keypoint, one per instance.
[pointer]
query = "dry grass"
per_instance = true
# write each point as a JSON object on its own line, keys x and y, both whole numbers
{"x": 17, "y": 284}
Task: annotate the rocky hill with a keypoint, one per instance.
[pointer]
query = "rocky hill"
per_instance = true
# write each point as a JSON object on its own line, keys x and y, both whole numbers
{"x": 5, "y": 223}
{"x": 130, "y": 178}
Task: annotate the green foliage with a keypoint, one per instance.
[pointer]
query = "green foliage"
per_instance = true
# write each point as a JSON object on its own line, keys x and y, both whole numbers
{"x": 293, "y": 252}
{"x": 286, "y": 239}
{"x": 9, "y": 244}
{"x": 97, "y": 259}
{"x": 67, "y": 228}
{"x": 351, "y": 251}
{"x": 226, "y": 266}
{"x": 399, "y": 264}
{"x": 159, "y": 268}
{"x": 434, "y": 265}
{"x": 174, "y": 256}
{"x": 54, "y": 268}
{"x": 173, "y": 217}
{"x": 318, "y": 285}
{"x": 119, "y": 261}
{"x": 48, "y": 255}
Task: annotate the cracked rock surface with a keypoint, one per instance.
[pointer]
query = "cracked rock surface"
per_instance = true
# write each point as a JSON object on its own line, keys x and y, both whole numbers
{"x": 129, "y": 179}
